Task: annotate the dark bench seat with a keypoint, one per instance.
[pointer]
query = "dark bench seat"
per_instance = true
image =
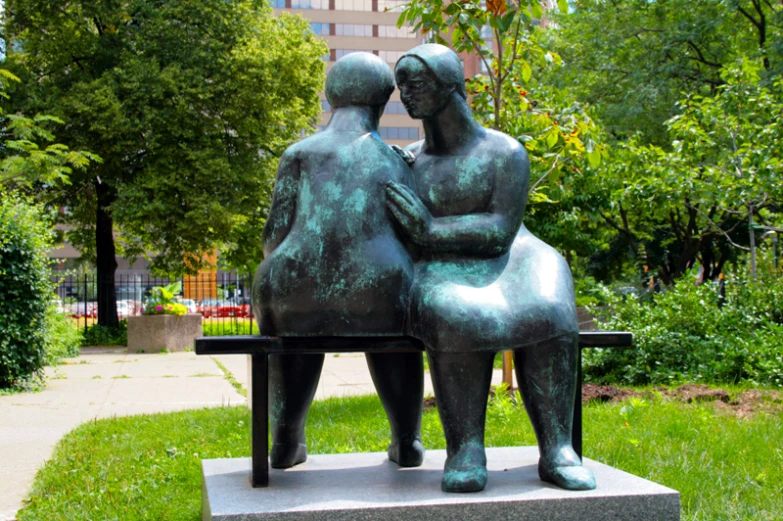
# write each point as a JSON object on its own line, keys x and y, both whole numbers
{"x": 260, "y": 347}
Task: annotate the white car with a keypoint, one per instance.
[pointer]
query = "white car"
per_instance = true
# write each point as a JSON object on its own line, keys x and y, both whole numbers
{"x": 124, "y": 309}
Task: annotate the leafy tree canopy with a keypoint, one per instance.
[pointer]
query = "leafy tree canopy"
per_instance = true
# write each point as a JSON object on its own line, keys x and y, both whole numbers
{"x": 188, "y": 102}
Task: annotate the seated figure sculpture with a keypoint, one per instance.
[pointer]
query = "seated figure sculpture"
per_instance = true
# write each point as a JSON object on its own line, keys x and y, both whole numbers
{"x": 334, "y": 264}
{"x": 483, "y": 283}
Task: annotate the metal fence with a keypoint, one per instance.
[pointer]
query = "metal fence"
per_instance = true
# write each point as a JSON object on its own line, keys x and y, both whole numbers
{"x": 221, "y": 298}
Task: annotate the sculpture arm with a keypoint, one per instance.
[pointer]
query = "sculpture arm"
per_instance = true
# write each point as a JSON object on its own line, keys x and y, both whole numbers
{"x": 488, "y": 233}
{"x": 281, "y": 215}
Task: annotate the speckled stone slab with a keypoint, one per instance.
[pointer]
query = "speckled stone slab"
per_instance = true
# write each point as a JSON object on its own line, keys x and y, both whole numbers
{"x": 342, "y": 487}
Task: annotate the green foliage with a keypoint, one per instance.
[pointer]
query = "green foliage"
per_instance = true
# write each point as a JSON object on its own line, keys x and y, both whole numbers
{"x": 63, "y": 339}
{"x": 25, "y": 290}
{"x": 28, "y": 155}
{"x": 148, "y": 467}
{"x": 99, "y": 335}
{"x": 188, "y": 102}
{"x": 633, "y": 59}
{"x": 229, "y": 327}
{"x": 668, "y": 208}
{"x": 690, "y": 334}
{"x": 162, "y": 301}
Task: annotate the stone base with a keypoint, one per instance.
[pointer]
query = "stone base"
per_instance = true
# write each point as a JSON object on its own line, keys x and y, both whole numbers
{"x": 368, "y": 487}
{"x": 154, "y": 333}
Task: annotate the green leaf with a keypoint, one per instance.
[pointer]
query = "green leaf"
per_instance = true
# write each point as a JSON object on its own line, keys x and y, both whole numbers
{"x": 527, "y": 71}
{"x": 536, "y": 9}
{"x": 563, "y": 5}
{"x": 594, "y": 158}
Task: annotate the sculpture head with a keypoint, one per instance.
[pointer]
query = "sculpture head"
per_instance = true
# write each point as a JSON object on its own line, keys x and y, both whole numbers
{"x": 427, "y": 75}
{"x": 359, "y": 78}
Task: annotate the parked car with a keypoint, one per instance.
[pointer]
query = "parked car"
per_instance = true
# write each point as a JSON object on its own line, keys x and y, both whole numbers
{"x": 81, "y": 309}
{"x": 245, "y": 307}
{"x": 124, "y": 309}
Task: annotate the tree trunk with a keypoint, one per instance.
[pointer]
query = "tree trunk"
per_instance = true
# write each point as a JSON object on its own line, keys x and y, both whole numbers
{"x": 106, "y": 261}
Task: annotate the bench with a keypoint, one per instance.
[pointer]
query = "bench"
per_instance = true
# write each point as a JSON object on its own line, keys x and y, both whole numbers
{"x": 260, "y": 347}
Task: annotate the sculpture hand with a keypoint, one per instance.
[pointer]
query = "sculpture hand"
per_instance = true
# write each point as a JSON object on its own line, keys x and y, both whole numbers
{"x": 409, "y": 211}
{"x": 406, "y": 156}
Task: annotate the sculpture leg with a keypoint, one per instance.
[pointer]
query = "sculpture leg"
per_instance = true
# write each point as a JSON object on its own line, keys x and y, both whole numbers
{"x": 461, "y": 382}
{"x": 546, "y": 374}
{"x": 293, "y": 380}
{"x": 399, "y": 380}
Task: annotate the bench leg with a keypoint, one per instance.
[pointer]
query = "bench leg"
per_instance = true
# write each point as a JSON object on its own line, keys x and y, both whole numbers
{"x": 576, "y": 430}
{"x": 259, "y": 424}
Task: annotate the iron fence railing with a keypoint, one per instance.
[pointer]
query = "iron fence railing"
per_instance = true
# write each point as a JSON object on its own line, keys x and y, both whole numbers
{"x": 221, "y": 298}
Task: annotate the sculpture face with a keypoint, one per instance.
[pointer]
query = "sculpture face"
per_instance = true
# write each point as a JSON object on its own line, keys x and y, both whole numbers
{"x": 422, "y": 94}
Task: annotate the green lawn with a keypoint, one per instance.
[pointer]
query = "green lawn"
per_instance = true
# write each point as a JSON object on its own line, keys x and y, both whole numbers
{"x": 147, "y": 467}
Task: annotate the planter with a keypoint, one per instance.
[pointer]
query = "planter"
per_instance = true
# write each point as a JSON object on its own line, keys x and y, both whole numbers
{"x": 154, "y": 333}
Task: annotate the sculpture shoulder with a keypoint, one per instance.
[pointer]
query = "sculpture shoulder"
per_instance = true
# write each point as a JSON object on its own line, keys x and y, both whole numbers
{"x": 506, "y": 147}
{"x": 315, "y": 143}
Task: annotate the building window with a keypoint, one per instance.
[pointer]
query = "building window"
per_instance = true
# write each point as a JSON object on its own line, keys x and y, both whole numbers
{"x": 352, "y": 30}
{"x": 280, "y": 4}
{"x": 339, "y": 53}
{"x": 309, "y": 4}
{"x": 325, "y": 106}
{"x": 394, "y": 107}
{"x": 319, "y": 28}
{"x": 401, "y": 133}
{"x": 387, "y": 5}
{"x": 353, "y": 5}
{"x": 390, "y": 31}
{"x": 391, "y": 56}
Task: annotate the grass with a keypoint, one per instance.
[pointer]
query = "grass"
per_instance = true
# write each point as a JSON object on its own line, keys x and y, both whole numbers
{"x": 147, "y": 467}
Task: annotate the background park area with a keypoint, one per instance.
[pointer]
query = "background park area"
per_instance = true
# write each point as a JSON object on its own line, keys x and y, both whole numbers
{"x": 143, "y": 133}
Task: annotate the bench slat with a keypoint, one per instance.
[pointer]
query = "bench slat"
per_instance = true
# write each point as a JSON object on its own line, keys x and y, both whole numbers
{"x": 256, "y": 344}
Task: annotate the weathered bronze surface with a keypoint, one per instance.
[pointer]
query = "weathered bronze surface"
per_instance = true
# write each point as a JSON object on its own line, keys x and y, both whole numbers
{"x": 484, "y": 282}
{"x": 481, "y": 282}
{"x": 334, "y": 264}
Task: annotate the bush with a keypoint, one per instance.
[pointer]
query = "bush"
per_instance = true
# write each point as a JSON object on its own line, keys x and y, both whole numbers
{"x": 63, "y": 340}
{"x": 98, "y": 335}
{"x": 25, "y": 291}
{"x": 685, "y": 334}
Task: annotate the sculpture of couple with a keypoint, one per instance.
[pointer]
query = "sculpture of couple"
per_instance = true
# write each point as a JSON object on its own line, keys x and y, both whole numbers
{"x": 360, "y": 242}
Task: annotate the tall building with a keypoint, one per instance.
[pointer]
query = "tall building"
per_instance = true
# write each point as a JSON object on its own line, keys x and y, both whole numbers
{"x": 363, "y": 25}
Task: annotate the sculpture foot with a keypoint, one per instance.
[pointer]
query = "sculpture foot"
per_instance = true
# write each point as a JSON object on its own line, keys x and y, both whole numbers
{"x": 407, "y": 454}
{"x": 567, "y": 472}
{"x": 466, "y": 471}
{"x": 286, "y": 455}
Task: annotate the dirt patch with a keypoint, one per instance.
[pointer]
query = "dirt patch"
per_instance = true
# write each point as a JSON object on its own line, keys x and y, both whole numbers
{"x": 690, "y": 393}
{"x": 606, "y": 393}
{"x": 742, "y": 405}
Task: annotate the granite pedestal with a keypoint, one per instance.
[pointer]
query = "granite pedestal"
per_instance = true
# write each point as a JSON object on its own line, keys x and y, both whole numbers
{"x": 367, "y": 487}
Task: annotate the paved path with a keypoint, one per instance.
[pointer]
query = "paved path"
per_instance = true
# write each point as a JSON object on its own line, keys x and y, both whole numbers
{"x": 103, "y": 383}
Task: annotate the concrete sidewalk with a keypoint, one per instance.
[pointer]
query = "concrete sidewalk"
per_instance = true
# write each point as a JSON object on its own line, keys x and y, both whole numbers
{"x": 102, "y": 383}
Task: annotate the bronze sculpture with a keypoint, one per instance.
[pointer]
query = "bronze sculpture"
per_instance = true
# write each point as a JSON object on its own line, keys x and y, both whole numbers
{"x": 334, "y": 264}
{"x": 484, "y": 282}
{"x": 481, "y": 282}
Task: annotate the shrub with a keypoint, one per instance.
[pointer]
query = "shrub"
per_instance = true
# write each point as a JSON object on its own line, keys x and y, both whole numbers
{"x": 25, "y": 290}
{"x": 687, "y": 334}
{"x": 98, "y": 335}
{"x": 62, "y": 340}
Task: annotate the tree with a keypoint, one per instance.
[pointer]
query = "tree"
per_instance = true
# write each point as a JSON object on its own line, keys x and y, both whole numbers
{"x": 694, "y": 200}
{"x": 27, "y": 155}
{"x": 188, "y": 102}
{"x": 632, "y": 59}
